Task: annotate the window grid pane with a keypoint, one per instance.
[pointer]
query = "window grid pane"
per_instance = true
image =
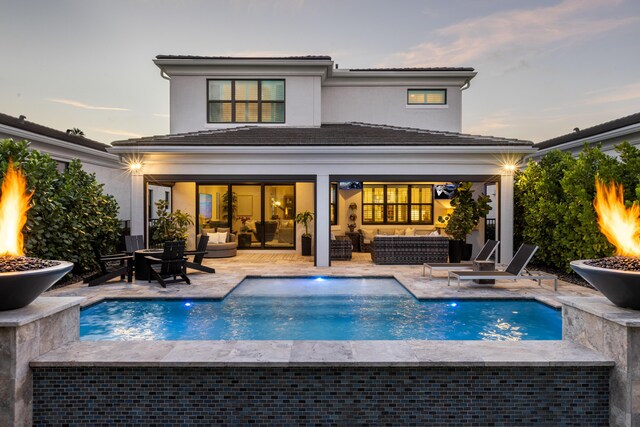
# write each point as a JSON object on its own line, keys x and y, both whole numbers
{"x": 246, "y": 112}
{"x": 219, "y": 90}
{"x": 220, "y": 112}
{"x": 246, "y": 90}
{"x": 273, "y": 90}
{"x": 272, "y": 112}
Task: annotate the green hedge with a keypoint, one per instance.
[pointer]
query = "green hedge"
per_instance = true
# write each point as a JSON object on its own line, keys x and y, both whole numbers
{"x": 69, "y": 209}
{"x": 554, "y": 202}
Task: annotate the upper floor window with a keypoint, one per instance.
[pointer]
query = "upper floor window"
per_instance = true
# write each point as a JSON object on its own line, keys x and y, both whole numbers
{"x": 245, "y": 101}
{"x": 427, "y": 97}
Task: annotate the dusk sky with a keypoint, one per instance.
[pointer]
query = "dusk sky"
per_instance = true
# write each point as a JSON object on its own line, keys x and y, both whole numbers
{"x": 544, "y": 67}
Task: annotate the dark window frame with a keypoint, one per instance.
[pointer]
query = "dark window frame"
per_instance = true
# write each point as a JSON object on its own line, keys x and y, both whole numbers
{"x": 333, "y": 188}
{"x": 385, "y": 205}
{"x": 259, "y": 101}
{"x": 444, "y": 91}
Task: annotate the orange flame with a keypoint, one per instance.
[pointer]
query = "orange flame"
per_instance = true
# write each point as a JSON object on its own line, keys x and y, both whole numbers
{"x": 14, "y": 205}
{"x": 620, "y": 225}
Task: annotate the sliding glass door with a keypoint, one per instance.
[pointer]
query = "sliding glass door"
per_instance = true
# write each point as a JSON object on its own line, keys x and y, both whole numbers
{"x": 262, "y": 215}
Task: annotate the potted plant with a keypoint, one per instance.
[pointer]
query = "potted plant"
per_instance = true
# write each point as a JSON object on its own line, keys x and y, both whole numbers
{"x": 464, "y": 218}
{"x": 244, "y": 237}
{"x": 305, "y": 218}
{"x": 171, "y": 226}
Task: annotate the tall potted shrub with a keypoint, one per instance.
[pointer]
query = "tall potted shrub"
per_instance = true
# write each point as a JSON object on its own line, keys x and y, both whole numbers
{"x": 305, "y": 218}
{"x": 171, "y": 226}
{"x": 464, "y": 218}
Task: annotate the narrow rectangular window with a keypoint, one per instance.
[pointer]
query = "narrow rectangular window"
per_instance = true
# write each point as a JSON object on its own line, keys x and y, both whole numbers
{"x": 245, "y": 101}
{"x": 426, "y": 96}
{"x": 333, "y": 203}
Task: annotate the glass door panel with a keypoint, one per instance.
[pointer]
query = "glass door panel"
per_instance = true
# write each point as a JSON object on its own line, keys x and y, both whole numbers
{"x": 248, "y": 211}
{"x": 279, "y": 211}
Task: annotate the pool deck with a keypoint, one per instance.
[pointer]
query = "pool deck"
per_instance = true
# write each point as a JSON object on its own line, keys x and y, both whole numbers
{"x": 231, "y": 271}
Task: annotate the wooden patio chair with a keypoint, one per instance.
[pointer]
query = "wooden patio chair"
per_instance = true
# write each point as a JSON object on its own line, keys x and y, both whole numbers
{"x": 172, "y": 263}
{"x": 133, "y": 243}
{"x": 198, "y": 256}
{"x": 111, "y": 266}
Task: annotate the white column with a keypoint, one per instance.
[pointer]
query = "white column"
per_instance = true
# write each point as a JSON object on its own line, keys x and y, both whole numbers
{"x": 322, "y": 221}
{"x": 506, "y": 218}
{"x": 137, "y": 204}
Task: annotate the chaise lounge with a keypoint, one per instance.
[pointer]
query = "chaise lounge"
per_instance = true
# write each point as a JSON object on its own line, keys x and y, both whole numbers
{"x": 485, "y": 253}
{"x": 514, "y": 270}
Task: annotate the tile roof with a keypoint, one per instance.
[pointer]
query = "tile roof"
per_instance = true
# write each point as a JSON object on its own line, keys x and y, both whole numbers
{"x": 50, "y": 132}
{"x": 592, "y": 131}
{"x": 415, "y": 69}
{"x": 346, "y": 134}
{"x": 306, "y": 57}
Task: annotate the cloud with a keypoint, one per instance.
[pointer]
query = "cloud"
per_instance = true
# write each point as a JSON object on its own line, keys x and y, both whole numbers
{"x": 491, "y": 124}
{"x": 116, "y": 132}
{"x": 614, "y": 94}
{"x": 79, "y": 104}
{"x": 513, "y": 32}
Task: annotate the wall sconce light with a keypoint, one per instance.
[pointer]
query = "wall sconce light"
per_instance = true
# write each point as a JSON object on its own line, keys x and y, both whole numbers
{"x": 509, "y": 168}
{"x": 134, "y": 166}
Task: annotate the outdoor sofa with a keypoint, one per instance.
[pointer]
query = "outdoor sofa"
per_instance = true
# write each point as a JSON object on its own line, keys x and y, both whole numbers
{"x": 409, "y": 249}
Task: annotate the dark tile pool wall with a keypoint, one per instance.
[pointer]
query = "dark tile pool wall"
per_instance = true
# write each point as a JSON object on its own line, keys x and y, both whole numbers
{"x": 344, "y": 396}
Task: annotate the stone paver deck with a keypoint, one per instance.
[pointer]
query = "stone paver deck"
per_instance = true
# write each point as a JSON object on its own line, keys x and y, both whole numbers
{"x": 231, "y": 271}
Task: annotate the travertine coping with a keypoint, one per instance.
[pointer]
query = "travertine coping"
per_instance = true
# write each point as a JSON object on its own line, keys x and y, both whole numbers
{"x": 39, "y": 309}
{"x": 601, "y": 307}
{"x": 321, "y": 353}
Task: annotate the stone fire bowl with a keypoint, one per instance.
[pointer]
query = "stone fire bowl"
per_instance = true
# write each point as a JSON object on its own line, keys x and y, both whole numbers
{"x": 621, "y": 287}
{"x": 20, "y": 288}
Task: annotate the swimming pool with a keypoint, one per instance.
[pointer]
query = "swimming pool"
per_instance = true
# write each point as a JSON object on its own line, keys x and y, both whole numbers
{"x": 320, "y": 309}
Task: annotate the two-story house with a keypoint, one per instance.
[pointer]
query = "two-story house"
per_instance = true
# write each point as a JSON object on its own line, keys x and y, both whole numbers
{"x": 253, "y": 141}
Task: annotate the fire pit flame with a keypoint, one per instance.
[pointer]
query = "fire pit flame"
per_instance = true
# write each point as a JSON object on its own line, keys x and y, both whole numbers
{"x": 618, "y": 278}
{"x": 620, "y": 225}
{"x": 14, "y": 205}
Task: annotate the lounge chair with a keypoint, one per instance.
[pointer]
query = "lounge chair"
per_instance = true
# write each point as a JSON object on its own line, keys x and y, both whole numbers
{"x": 198, "y": 255}
{"x": 172, "y": 263}
{"x": 111, "y": 266}
{"x": 514, "y": 270}
{"x": 485, "y": 253}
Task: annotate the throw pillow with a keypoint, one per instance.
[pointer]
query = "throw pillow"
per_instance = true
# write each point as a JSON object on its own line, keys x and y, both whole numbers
{"x": 410, "y": 231}
{"x": 435, "y": 234}
{"x": 398, "y": 232}
{"x": 222, "y": 237}
{"x": 368, "y": 234}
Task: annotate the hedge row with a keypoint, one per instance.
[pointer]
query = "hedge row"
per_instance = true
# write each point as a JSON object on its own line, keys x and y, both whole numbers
{"x": 554, "y": 202}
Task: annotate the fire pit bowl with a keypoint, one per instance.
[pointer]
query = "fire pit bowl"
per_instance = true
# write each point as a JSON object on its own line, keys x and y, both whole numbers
{"x": 20, "y": 288}
{"x": 621, "y": 287}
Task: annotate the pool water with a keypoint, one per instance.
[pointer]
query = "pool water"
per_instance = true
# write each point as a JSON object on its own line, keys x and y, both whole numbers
{"x": 320, "y": 309}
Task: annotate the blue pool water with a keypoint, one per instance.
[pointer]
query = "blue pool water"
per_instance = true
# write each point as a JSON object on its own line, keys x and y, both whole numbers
{"x": 320, "y": 309}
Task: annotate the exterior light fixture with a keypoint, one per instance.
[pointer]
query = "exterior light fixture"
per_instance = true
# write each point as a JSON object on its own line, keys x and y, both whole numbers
{"x": 509, "y": 168}
{"x": 134, "y": 166}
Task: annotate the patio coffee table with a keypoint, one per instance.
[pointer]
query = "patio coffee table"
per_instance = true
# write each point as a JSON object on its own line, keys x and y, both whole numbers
{"x": 141, "y": 265}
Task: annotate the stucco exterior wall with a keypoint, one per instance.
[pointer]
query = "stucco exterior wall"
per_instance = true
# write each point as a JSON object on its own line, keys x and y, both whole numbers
{"x": 107, "y": 167}
{"x": 188, "y": 104}
{"x": 388, "y": 105}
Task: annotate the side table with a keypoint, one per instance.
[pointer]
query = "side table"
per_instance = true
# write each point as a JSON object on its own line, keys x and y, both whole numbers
{"x": 489, "y": 265}
{"x": 355, "y": 239}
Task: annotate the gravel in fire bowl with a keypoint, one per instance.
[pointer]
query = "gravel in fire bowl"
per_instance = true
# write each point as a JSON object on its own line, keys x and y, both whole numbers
{"x": 22, "y": 263}
{"x": 623, "y": 263}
